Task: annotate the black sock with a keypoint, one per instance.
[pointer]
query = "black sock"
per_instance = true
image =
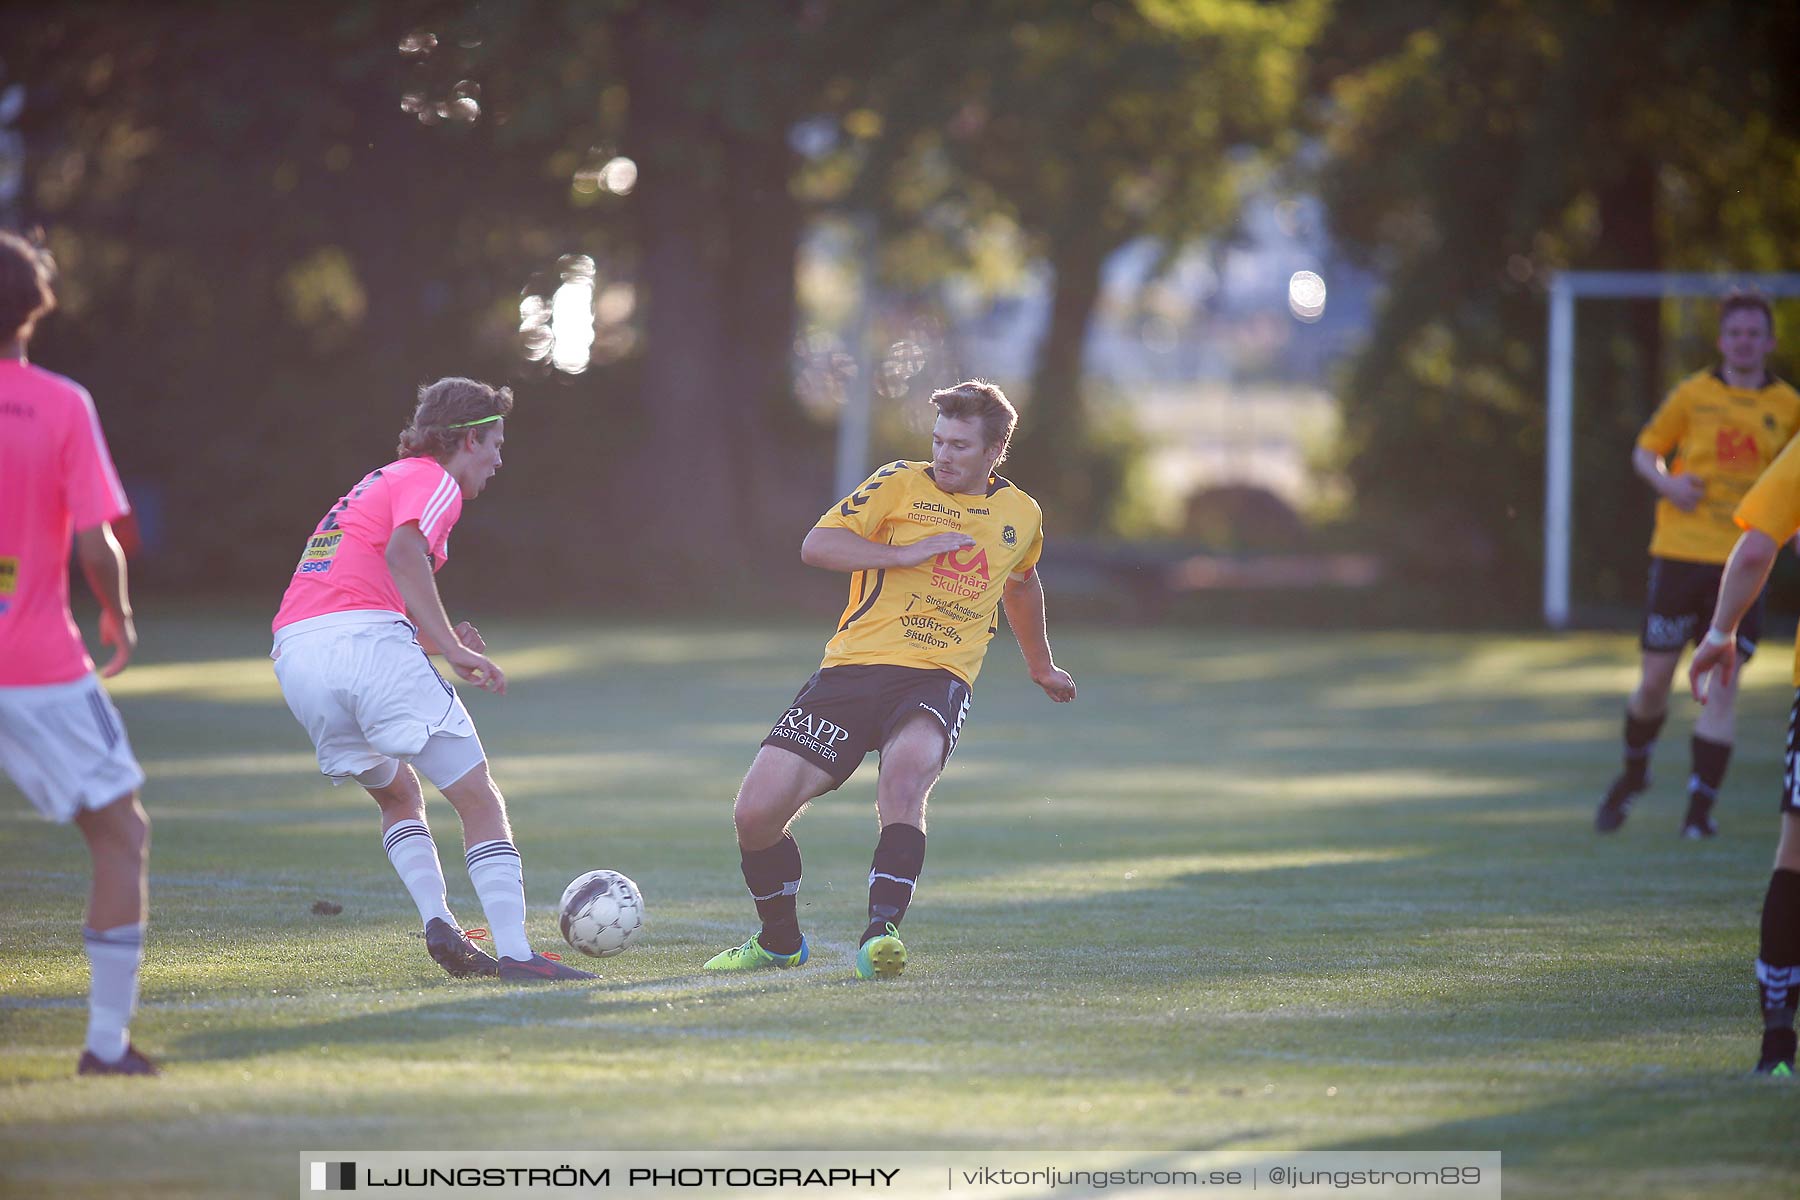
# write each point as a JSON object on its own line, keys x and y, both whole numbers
{"x": 1640, "y": 742}
{"x": 1710, "y": 759}
{"x": 773, "y": 876}
{"x": 899, "y": 856}
{"x": 1778, "y": 957}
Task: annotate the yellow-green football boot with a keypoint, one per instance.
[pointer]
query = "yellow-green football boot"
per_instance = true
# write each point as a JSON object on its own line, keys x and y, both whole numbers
{"x": 882, "y": 957}
{"x": 752, "y": 957}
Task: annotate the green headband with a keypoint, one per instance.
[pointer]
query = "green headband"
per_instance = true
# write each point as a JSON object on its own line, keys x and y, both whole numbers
{"x": 483, "y": 421}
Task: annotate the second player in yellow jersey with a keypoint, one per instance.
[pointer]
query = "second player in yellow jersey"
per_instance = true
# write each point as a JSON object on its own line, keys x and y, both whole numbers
{"x": 1701, "y": 452}
{"x": 1721, "y": 437}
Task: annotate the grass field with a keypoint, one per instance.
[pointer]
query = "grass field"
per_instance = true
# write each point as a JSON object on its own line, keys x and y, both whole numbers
{"x": 1304, "y": 892}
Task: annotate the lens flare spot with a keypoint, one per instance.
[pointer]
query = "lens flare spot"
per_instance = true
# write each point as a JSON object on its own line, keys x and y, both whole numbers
{"x": 1306, "y": 296}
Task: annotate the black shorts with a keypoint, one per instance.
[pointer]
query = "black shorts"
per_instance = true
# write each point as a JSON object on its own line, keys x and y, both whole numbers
{"x": 1680, "y": 610}
{"x": 844, "y": 712}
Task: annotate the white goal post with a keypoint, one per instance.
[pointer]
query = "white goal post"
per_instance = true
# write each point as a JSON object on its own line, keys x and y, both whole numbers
{"x": 1559, "y": 421}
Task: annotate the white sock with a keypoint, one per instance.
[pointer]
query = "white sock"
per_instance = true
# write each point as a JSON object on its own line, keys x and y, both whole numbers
{"x": 499, "y": 880}
{"x": 414, "y": 855}
{"x": 113, "y": 958}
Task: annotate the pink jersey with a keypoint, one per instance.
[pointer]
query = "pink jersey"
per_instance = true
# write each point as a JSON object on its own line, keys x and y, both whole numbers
{"x": 56, "y": 476}
{"x": 344, "y": 566}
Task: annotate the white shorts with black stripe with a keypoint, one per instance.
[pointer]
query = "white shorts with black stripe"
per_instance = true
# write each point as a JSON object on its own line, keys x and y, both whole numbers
{"x": 65, "y": 746}
{"x": 370, "y": 699}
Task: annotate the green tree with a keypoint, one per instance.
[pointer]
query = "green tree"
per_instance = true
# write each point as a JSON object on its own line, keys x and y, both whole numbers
{"x": 1472, "y": 151}
{"x": 1088, "y": 125}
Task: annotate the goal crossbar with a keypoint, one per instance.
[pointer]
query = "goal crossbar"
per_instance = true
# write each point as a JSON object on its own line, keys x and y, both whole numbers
{"x": 1559, "y": 434}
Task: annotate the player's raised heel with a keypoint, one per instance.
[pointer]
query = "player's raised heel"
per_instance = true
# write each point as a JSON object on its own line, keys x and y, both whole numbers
{"x": 451, "y": 949}
{"x": 752, "y": 957}
{"x": 133, "y": 1063}
{"x": 881, "y": 957}
{"x": 1617, "y": 806}
{"x": 539, "y": 968}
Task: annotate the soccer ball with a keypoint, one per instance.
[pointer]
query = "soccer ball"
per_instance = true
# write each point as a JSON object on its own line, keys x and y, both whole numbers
{"x": 602, "y": 913}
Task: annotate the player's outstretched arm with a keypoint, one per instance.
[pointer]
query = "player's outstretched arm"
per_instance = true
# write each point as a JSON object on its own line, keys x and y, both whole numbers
{"x": 1745, "y": 573}
{"x": 845, "y": 550}
{"x": 103, "y": 563}
{"x": 1024, "y": 601}
{"x": 409, "y": 562}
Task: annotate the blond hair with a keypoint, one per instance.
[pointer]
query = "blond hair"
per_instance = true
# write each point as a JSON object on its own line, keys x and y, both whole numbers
{"x": 25, "y": 295}
{"x": 446, "y": 410}
{"x": 984, "y": 402}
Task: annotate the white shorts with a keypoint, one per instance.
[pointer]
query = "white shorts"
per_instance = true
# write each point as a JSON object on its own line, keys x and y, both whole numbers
{"x": 65, "y": 746}
{"x": 370, "y": 699}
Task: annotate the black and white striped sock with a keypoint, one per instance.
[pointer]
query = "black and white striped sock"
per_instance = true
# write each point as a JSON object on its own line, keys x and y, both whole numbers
{"x": 893, "y": 876}
{"x": 499, "y": 879}
{"x": 414, "y": 855}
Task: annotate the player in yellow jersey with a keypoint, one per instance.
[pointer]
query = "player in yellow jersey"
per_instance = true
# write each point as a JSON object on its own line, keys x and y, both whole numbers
{"x": 1769, "y": 515}
{"x": 1701, "y": 452}
{"x": 934, "y": 549}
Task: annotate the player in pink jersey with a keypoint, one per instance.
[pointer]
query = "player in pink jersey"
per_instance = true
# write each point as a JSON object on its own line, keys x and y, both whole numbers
{"x": 61, "y": 739}
{"x": 360, "y": 616}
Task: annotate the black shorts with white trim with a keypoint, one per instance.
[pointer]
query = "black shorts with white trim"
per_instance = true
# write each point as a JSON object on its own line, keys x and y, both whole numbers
{"x": 844, "y": 712}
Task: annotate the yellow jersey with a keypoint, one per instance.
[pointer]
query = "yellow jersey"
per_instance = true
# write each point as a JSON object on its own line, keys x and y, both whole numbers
{"x": 942, "y": 613}
{"x": 1726, "y": 436}
{"x": 1772, "y": 506}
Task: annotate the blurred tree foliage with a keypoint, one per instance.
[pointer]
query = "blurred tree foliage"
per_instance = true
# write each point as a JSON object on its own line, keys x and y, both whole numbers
{"x": 275, "y": 221}
{"x": 268, "y": 237}
{"x": 1473, "y": 149}
{"x": 1085, "y": 126}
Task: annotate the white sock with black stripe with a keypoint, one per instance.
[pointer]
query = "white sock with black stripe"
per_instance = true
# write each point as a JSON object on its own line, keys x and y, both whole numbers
{"x": 414, "y": 855}
{"x": 499, "y": 879}
{"x": 114, "y": 956}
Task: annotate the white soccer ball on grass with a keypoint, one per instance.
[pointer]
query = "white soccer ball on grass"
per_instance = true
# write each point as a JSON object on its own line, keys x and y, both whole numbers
{"x": 602, "y": 913}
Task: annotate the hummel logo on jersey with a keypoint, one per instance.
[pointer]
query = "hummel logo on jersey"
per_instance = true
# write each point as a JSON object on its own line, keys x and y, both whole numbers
{"x": 860, "y": 497}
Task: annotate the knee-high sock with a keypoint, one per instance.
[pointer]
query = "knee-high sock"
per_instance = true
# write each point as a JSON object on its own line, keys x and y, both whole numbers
{"x": 1640, "y": 744}
{"x": 894, "y": 873}
{"x": 499, "y": 879}
{"x": 1710, "y": 759}
{"x": 1778, "y": 956}
{"x": 414, "y": 855}
{"x": 114, "y": 956}
{"x": 773, "y": 876}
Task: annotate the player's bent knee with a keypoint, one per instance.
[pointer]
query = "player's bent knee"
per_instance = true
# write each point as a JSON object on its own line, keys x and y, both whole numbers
{"x": 778, "y": 786}
{"x": 765, "y": 809}
{"x": 474, "y": 790}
